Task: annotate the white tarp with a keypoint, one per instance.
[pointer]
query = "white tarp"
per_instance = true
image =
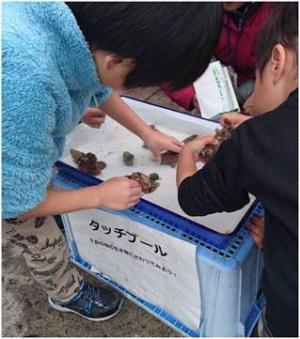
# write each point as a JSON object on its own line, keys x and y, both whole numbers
{"x": 112, "y": 139}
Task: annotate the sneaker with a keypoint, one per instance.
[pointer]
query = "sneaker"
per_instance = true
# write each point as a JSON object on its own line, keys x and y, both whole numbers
{"x": 92, "y": 303}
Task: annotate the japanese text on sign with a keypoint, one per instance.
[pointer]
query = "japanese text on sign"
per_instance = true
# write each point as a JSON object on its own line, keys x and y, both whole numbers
{"x": 120, "y": 232}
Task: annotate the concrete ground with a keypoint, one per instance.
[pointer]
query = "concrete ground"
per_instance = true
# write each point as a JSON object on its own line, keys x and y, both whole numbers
{"x": 25, "y": 311}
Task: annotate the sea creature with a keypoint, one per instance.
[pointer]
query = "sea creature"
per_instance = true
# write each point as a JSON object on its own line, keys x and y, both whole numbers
{"x": 128, "y": 158}
{"x": 221, "y": 135}
{"x": 170, "y": 158}
{"x": 147, "y": 185}
{"x": 87, "y": 162}
{"x": 153, "y": 176}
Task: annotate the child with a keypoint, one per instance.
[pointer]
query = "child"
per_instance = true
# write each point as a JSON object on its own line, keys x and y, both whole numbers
{"x": 242, "y": 21}
{"x": 93, "y": 117}
{"x": 55, "y": 58}
{"x": 260, "y": 158}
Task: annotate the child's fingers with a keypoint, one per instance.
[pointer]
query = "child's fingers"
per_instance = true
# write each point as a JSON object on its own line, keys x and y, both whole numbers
{"x": 96, "y": 120}
{"x": 178, "y": 142}
{"x": 211, "y": 140}
{"x": 225, "y": 121}
{"x": 257, "y": 233}
{"x": 92, "y": 111}
{"x": 231, "y": 119}
{"x": 175, "y": 147}
{"x": 205, "y": 140}
{"x": 157, "y": 156}
{"x": 96, "y": 125}
{"x": 134, "y": 198}
{"x": 257, "y": 221}
{"x": 134, "y": 184}
{"x": 97, "y": 116}
{"x": 258, "y": 240}
{"x": 234, "y": 119}
{"x": 136, "y": 191}
{"x": 197, "y": 145}
{"x": 253, "y": 226}
{"x": 131, "y": 204}
{"x": 256, "y": 225}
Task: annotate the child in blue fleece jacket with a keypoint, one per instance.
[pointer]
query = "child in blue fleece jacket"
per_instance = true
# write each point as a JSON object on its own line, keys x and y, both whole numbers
{"x": 55, "y": 58}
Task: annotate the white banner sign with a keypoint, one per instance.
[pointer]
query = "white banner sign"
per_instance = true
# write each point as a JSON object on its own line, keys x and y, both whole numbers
{"x": 153, "y": 265}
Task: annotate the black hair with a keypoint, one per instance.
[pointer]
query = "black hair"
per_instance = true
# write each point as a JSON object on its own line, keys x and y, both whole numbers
{"x": 282, "y": 29}
{"x": 169, "y": 41}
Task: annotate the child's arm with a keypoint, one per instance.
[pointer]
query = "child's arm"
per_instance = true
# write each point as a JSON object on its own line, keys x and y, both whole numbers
{"x": 93, "y": 117}
{"x": 156, "y": 141}
{"x": 117, "y": 193}
{"x": 189, "y": 156}
{"x": 257, "y": 227}
{"x": 234, "y": 119}
{"x": 218, "y": 186}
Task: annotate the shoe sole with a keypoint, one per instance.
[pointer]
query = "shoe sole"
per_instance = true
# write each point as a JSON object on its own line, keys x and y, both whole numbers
{"x": 68, "y": 310}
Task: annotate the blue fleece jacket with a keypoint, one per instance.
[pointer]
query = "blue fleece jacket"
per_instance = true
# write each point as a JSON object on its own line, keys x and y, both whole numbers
{"x": 48, "y": 79}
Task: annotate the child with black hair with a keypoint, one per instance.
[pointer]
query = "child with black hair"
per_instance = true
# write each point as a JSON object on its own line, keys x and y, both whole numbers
{"x": 260, "y": 158}
{"x": 56, "y": 57}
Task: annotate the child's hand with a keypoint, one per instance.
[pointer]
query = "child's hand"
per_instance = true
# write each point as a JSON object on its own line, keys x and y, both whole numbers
{"x": 118, "y": 193}
{"x": 93, "y": 117}
{"x": 196, "y": 146}
{"x": 256, "y": 225}
{"x": 157, "y": 141}
{"x": 189, "y": 155}
{"x": 234, "y": 119}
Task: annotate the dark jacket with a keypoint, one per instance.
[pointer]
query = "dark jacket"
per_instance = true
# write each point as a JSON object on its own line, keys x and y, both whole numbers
{"x": 260, "y": 158}
{"x": 237, "y": 43}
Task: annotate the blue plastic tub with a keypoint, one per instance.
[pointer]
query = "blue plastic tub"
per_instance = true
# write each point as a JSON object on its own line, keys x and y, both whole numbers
{"x": 229, "y": 266}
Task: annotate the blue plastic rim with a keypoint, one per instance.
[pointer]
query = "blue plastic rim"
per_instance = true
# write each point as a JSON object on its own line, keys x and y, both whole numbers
{"x": 72, "y": 175}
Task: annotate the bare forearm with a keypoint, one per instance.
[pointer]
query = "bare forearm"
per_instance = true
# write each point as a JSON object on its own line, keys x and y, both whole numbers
{"x": 118, "y": 110}
{"x": 62, "y": 201}
{"x": 186, "y": 165}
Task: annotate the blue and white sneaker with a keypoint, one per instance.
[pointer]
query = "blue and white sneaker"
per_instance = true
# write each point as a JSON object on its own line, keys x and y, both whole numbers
{"x": 92, "y": 303}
